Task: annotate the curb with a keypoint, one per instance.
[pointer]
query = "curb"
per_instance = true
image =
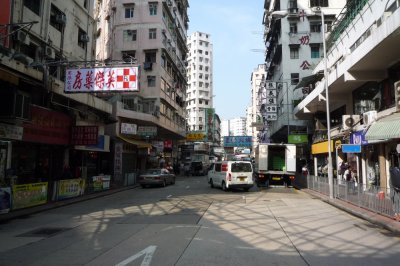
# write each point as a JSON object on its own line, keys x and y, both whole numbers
{"x": 57, "y": 204}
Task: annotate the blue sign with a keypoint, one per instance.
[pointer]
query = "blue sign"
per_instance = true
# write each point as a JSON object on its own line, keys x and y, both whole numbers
{"x": 351, "y": 148}
{"x": 237, "y": 141}
{"x": 358, "y": 137}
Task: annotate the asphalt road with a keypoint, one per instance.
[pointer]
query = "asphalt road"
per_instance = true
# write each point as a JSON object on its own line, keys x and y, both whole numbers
{"x": 190, "y": 223}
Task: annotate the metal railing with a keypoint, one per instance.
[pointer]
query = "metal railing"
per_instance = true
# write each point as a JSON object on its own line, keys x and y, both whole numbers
{"x": 374, "y": 198}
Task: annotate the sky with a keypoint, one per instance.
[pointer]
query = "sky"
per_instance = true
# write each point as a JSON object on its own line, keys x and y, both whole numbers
{"x": 236, "y": 29}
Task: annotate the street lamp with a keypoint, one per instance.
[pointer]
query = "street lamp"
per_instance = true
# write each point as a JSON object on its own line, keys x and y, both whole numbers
{"x": 317, "y": 10}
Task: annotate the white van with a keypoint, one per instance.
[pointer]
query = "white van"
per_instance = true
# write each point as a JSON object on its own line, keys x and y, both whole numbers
{"x": 231, "y": 174}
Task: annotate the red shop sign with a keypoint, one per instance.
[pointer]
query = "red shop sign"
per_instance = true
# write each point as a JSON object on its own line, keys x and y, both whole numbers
{"x": 84, "y": 135}
{"x": 47, "y": 127}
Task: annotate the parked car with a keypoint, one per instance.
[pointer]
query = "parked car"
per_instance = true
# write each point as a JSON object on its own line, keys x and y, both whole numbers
{"x": 231, "y": 174}
{"x": 157, "y": 176}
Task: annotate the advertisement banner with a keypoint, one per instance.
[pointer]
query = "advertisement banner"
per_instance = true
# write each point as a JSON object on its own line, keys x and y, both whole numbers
{"x": 70, "y": 188}
{"x": 47, "y": 126}
{"x": 5, "y": 199}
{"x": 196, "y": 136}
{"x": 237, "y": 141}
{"x": 84, "y": 135}
{"x": 29, "y": 195}
{"x": 101, "y": 182}
{"x": 298, "y": 138}
{"x": 100, "y": 79}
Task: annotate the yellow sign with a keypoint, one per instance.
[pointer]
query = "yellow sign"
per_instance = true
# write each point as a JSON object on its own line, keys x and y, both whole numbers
{"x": 29, "y": 195}
{"x": 195, "y": 136}
{"x": 321, "y": 147}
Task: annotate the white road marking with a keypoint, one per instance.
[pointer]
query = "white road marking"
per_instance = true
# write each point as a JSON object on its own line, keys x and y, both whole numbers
{"x": 148, "y": 252}
{"x": 169, "y": 196}
{"x": 187, "y": 187}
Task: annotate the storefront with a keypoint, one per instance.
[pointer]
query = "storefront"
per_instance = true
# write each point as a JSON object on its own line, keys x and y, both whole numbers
{"x": 319, "y": 152}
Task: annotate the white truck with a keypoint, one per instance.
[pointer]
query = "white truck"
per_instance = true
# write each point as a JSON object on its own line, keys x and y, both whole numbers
{"x": 275, "y": 164}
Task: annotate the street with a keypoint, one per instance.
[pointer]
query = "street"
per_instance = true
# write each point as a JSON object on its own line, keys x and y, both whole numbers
{"x": 190, "y": 223}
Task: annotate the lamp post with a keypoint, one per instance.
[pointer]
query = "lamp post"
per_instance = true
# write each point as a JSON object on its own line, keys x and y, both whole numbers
{"x": 317, "y": 10}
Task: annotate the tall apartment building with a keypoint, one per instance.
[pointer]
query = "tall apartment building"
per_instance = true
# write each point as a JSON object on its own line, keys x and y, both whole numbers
{"x": 293, "y": 40}
{"x": 199, "y": 95}
{"x": 363, "y": 79}
{"x": 256, "y": 126}
{"x": 44, "y": 130}
{"x": 152, "y": 36}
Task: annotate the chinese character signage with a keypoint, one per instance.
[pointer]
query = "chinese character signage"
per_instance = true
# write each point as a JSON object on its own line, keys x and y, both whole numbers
{"x": 147, "y": 131}
{"x": 195, "y": 136}
{"x": 101, "y": 79}
{"x": 129, "y": 129}
{"x": 84, "y": 135}
{"x": 237, "y": 141}
{"x": 271, "y": 101}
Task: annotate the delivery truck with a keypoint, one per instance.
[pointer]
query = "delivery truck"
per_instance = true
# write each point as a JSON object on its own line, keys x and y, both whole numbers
{"x": 275, "y": 164}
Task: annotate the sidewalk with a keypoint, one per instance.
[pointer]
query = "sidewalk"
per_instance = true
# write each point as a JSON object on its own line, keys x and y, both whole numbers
{"x": 51, "y": 205}
{"x": 374, "y": 218}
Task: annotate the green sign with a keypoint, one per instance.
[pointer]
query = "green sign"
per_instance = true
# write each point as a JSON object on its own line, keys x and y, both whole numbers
{"x": 298, "y": 139}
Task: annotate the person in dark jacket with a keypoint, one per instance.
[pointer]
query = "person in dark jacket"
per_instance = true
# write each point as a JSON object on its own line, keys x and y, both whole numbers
{"x": 395, "y": 191}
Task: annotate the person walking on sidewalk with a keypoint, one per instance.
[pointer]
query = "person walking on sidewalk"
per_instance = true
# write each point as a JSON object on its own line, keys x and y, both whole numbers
{"x": 395, "y": 191}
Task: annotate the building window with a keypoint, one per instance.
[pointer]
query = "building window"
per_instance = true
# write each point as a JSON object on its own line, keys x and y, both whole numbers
{"x": 128, "y": 56}
{"x": 294, "y": 52}
{"x": 153, "y": 8}
{"x": 328, "y": 26}
{"x": 206, "y": 102}
{"x": 129, "y": 10}
{"x": 200, "y": 127}
{"x": 315, "y": 51}
{"x": 294, "y": 77}
{"x": 85, "y": 3}
{"x": 83, "y": 38}
{"x": 293, "y": 27}
{"x": 152, "y": 34}
{"x": 129, "y": 35}
{"x": 200, "y": 119}
{"x": 57, "y": 18}
{"x": 315, "y": 27}
{"x": 150, "y": 57}
{"x": 151, "y": 81}
{"x": 33, "y": 5}
{"x": 323, "y": 3}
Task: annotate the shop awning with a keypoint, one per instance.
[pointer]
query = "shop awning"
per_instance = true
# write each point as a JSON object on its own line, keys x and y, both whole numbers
{"x": 139, "y": 143}
{"x": 305, "y": 81}
{"x": 385, "y": 128}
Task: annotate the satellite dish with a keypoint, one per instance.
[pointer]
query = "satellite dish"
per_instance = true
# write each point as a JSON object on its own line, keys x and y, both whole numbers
{"x": 349, "y": 122}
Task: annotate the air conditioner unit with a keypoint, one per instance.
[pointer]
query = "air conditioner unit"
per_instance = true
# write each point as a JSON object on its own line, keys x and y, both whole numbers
{"x": 22, "y": 37}
{"x": 50, "y": 53}
{"x": 369, "y": 117}
{"x": 169, "y": 2}
{"x": 174, "y": 8}
{"x": 163, "y": 31}
{"x": 84, "y": 38}
{"x": 316, "y": 9}
{"x": 350, "y": 120}
{"x": 61, "y": 19}
{"x": 169, "y": 41}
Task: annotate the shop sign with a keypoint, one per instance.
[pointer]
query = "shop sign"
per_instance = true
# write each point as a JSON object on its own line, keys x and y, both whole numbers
{"x": 107, "y": 79}
{"x": 11, "y": 132}
{"x": 47, "y": 127}
{"x": 167, "y": 144}
{"x": 297, "y": 139}
{"x": 358, "y": 137}
{"x": 103, "y": 144}
{"x": 195, "y": 136}
{"x": 351, "y": 148}
{"x": 118, "y": 160}
{"x": 101, "y": 182}
{"x": 158, "y": 145}
{"x": 237, "y": 141}
{"x": 147, "y": 131}
{"x": 5, "y": 199}
{"x": 70, "y": 188}
{"x": 84, "y": 135}
{"x": 321, "y": 147}
{"x": 29, "y": 195}
{"x": 129, "y": 129}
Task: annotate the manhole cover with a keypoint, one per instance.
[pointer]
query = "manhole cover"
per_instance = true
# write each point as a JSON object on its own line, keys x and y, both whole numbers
{"x": 44, "y": 232}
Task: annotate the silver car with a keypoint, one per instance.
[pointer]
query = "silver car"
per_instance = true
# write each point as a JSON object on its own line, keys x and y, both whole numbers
{"x": 157, "y": 176}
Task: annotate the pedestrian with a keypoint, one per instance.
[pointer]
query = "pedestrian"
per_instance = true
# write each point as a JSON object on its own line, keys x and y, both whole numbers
{"x": 395, "y": 191}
